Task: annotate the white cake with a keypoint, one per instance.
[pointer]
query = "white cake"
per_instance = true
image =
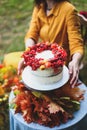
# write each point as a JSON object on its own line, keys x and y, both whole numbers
{"x": 44, "y": 65}
{"x": 45, "y": 79}
{"x": 47, "y": 75}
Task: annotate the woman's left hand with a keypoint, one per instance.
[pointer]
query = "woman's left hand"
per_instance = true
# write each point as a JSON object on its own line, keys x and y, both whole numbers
{"x": 74, "y": 73}
{"x": 74, "y": 66}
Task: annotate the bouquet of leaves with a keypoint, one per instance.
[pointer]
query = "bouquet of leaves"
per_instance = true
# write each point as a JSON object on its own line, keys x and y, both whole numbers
{"x": 46, "y": 108}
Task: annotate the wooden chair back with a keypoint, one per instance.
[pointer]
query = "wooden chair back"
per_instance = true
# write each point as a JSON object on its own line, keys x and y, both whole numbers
{"x": 83, "y": 27}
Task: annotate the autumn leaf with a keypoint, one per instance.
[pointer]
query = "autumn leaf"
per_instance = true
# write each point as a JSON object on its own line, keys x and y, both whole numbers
{"x": 54, "y": 108}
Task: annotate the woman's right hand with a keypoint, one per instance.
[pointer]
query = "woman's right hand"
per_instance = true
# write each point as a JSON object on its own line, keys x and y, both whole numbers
{"x": 21, "y": 66}
{"x": 29, "y": 43}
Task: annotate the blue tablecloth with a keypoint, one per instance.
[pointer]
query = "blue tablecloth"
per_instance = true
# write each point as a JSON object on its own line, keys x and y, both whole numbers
{"x": 17, "y": 122}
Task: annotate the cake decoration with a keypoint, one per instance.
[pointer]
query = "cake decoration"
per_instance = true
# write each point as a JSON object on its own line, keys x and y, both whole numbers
{"x": 56, "y": 56}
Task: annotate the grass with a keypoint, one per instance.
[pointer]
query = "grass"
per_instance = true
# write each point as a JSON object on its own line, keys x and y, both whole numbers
{"x": 80, "y": 4}
{"x": 15, "y": 16}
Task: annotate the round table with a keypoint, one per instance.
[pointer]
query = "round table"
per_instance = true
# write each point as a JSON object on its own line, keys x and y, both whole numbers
{"x": 78, "y": 123}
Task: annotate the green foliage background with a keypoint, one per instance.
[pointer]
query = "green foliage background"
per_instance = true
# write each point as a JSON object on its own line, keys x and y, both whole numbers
{"x": 14, "y": 21}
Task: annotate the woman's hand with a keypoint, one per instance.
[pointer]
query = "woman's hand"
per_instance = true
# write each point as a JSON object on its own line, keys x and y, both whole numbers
{"x": 74, "y": 73}
{"x": 74, "y": 67}
{"x": 21, "y": 66}
{"x": 29, "y": 43}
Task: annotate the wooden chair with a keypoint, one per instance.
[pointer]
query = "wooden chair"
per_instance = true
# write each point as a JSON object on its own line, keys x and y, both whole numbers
{"x": 84, "y": 33}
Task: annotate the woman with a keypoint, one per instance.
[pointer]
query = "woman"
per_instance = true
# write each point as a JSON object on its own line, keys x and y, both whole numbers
{"x": 57, "y": 21}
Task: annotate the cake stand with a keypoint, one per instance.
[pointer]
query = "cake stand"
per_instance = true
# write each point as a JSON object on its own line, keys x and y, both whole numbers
{"x": 27, "y": 78}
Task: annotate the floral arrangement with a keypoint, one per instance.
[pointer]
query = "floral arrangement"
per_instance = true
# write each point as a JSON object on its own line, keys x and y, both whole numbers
{"x": 8, "y": 77}
{"x": 59, "y": 53}
{"x": 46, "y": 108}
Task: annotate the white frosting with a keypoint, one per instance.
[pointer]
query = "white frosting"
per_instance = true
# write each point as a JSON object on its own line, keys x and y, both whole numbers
{"x": 45, "y": 72}
{"x": 47, "y": 79}
{"x": 46, "y": 55}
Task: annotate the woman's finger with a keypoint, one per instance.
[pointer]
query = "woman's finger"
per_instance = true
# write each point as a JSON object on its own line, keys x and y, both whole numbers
{"x": 70, "y": 69}
{"x": 74, "y": 81}
{"x": 20, "y": 66}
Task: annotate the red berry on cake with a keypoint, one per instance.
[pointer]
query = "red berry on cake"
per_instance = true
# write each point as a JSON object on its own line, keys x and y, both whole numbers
{"x": 54, "y": 45}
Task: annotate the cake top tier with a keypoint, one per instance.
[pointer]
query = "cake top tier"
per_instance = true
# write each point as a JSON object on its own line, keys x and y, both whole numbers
{"x": 44, "y": 55}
